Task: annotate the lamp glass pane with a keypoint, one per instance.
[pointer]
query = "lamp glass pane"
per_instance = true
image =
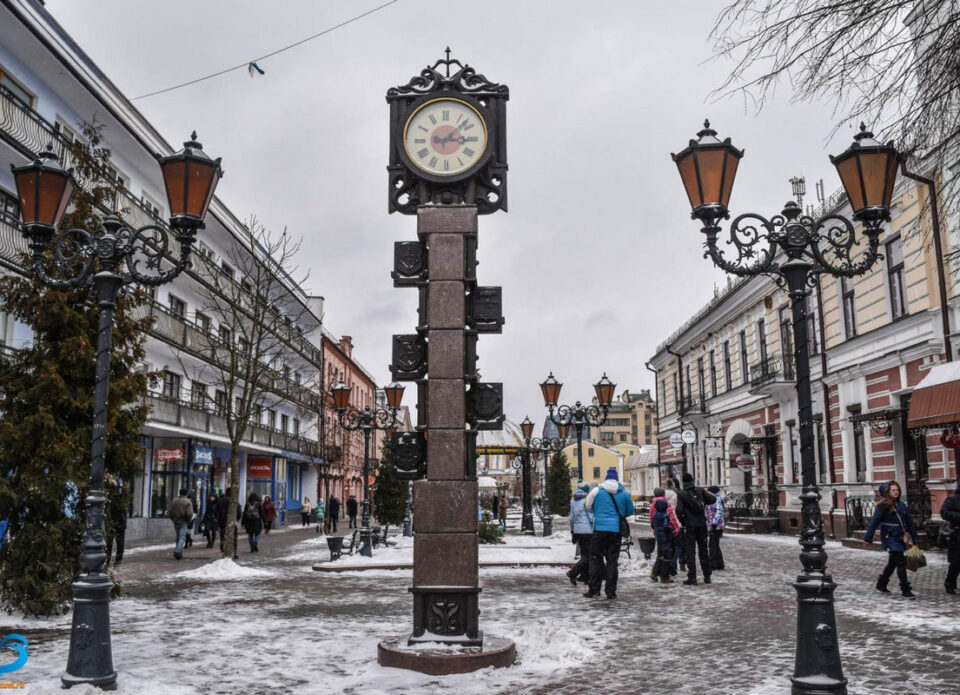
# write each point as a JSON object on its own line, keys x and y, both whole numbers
{"x": 850, "y": 177}
{"x": 711, "y": 172}
{"x": 341, "y": 396}
{"x": 875, "y": 171}
{"x": 688, "y": 174}
{"x": 200, "y": 176}
{"x": 563, "y": 429}
{"x": 214, "y": 180}
{"x": 891, "y": 180}
{"x": 49, "y": 203}
{"x": 64, "y": 201}
{"x": 527, "y": 428}
{"x": 394, "y": 394}
{"x": 173, "y": 175}
{"x": 551, "y": 391}
{"x": 26, "y": 182}
{"x": 733, "y": 162}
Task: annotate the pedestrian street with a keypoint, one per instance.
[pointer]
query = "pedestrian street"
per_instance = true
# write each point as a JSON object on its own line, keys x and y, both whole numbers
{"x": 271, "y": 624}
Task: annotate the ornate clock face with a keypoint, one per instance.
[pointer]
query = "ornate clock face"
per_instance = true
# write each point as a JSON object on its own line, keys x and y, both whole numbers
{"x": 445, "y": 137}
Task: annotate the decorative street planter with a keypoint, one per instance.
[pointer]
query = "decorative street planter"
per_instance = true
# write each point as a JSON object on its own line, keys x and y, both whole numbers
{"x": 335, "y": 543}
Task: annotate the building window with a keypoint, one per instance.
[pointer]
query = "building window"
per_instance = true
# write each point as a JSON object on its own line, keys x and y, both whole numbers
{"x": 676, "y": 392}
{"x": 150, "y": 205}
{"x": 762, "y": 340}
{"x": 296, "y": 427}
{"x": 623, "y": 437}
{"x": 727, "y": 379}
{"x": 849, "y": 317}
{"x": 11, "y": 87}
{"x": 812, "y": 348}
{"x": 284, "y": 422}
{"x": 713, "y": 374}
{"x": 701, "y": 386}
{"x": 596, "y": 471}
{"x": 67, "y": 134}
{"x": 204, "y": 322}
{"x": 198, "y": 394}
{"x": 178, "y": 307}
{"x": 859, "y": 447}
{"x": 257, "y": 415}
{"x": 119, "y": 183}
{"x": 898, "y": 303}
{"x": 226, "y": 270}
{"x": 786, "y": 335}
{"x": 224, "y": 336}
{"x": 272, "y": 419}
{"x": 606, "y": 436}
{"x": 744, "y": 372}
{"x": 220, "y": 402}
{"x": 171, "y": 385}
{"x": 589, "y": 452}
{"x": 9, "y": 208}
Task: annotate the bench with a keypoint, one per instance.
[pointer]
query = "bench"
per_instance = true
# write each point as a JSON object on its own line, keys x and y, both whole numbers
{"x": 378, "y": 536}
{"x": 349, "y": 546}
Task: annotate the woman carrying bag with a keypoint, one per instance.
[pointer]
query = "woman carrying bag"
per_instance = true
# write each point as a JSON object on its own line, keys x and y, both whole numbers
{"x": 897, "y": 532}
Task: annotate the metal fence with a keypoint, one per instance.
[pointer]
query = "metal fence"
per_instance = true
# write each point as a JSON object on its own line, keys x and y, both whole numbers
{"x": 742, "y": 505}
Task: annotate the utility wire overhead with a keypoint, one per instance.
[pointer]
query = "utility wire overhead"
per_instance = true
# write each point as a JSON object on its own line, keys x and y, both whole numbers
{"x": 248, "y": 63}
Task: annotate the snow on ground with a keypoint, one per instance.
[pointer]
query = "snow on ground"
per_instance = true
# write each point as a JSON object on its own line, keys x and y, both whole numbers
{"x": 224, "y": 569}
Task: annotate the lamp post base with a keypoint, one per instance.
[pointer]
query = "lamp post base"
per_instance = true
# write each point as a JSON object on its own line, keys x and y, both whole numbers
{"x": 547, "y": 525}
{"x": 90, "y": 659}
{"x": 526, "y": 525}
{"x": 818, "y": 670}
{"x": 366, "y": 548}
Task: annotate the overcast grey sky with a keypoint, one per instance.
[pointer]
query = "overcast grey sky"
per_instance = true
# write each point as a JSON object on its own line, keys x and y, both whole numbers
{"x": 598, "y": 259}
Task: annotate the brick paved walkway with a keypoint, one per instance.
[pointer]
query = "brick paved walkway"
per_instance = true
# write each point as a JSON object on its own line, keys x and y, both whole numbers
{"x": 303, "y": 631}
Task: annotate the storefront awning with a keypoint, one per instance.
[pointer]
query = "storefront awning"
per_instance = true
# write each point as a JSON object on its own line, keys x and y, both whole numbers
{"x": 936, "y": 399}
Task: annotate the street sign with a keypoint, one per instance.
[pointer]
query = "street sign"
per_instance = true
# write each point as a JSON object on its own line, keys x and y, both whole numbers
{"x": 676, "y": 440}
{"x": 746, "y": 462}
{"x": 714, "y": 447}
{"x": 688, "y": 436}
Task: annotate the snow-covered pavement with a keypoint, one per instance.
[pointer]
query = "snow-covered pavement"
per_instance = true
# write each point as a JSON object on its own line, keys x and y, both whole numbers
{"x": 270, "y": 624}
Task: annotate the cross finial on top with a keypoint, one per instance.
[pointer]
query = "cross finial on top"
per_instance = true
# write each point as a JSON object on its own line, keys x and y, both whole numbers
{"x": 448, "y": 61}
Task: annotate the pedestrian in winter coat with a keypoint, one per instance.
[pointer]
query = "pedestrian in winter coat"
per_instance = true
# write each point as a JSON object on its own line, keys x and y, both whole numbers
{"x": 210, "y": 520}
{"x": 495, "y": 506}
{"x": 181, "y": 514}
{"x": 665, "y": 529}
{"x": 352, "y": 511}
{"x": 118, "y": 515}
{"x": 253, "y": 521}
{"x": 679, "y": 558}
{"x": 306, "y": 509}
{"x": 716, "y": 523}
{"x": 896, "y": 530}
{"x": 608, "y": 502}
{"x": 676, "y": 537}
{"x": 950, "y": 511}
{"x": 692, "y": 502}
{"x": 334, "y": 509}
{"x": 269, "y": 513}
{"x": 319, "y": 514}
{"x": 581, "y": 528}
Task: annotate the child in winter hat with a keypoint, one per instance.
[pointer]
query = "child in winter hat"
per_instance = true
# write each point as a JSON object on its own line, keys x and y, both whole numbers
{"x": 612, "y": 474}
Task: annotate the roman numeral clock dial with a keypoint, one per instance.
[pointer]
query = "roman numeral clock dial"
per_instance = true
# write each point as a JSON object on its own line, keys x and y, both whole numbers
{"x": 445, "y": 137}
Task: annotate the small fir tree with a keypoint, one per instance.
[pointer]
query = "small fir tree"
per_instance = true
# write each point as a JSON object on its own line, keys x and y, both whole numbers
{"x": 559, "y": 484}
{"x": 46, "y": 397}
{"x": 389, "y": 494}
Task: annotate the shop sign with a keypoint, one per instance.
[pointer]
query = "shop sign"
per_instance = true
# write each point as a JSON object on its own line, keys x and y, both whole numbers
{"x": 168, "y": 453}
{"x": 745, "y": 462}
{"x": 688, "y": 436}
{"x": 714, "y": 447}
{"x": 203, "y": 455}
{"x": 676, "y": 441}
{"x": 259, "y": 467}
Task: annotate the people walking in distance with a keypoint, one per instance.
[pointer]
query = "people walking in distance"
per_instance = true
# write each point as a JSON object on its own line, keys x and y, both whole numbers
{"x": 181, "y": 514}
{"x": 665, "y": 556}
{"x": 679, "y": 555}
{"x": 581, "y": 529}
{"x": 352, "y": 511}
{"x": 716, "y": 523}
{"x": 253, "y": 521}
{"x": 333, "y": 512}
{"x": 495, "y": 507}
{"x": 118, "y": 515}
{"x": 609, "y": 503}
{"x": 665, "y": 531}
{"x": 950, "y": 512}
{"x": 210, "y": 521}
{"x": 691, "y": 511}
{"x": 269, "y": 513}
{"x": 305, "y": 510}
{"x": 896, "y": 533}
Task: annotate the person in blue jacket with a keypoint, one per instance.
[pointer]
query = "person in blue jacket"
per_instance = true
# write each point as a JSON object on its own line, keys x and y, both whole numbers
{"x": 581, "y": 527}
{"x": 893, "y": 520}
{"x": 608, "y": 502}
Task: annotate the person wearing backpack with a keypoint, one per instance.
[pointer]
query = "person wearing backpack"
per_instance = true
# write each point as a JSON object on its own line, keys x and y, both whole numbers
{"x": 253, "y": 521}
{"x": 610, "y": 505}
{"x": 665, "y": 530}
{"x": 581, "y": 528}
{"x": 716, "y": 523}
{"x": 950, "y": 511}
{"x": 692, "y": 503}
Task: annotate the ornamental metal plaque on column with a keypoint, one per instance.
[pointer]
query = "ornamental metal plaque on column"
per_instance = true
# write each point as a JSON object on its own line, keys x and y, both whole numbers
{"x": 447, "y": 165}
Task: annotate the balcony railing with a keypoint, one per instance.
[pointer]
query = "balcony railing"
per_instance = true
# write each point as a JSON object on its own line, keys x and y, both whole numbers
{"x": 775, "y": 368}
{"x": 201, "y": 419}
{"x": 693, "y": 405}
{"x": 29, "y": 130}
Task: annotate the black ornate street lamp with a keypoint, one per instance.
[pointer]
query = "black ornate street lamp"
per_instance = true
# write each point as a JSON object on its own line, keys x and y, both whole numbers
{"x": 106, "y": 259}
{"x": 795, "y": 248}
{"x": 367, "y": 420}
{"x": 545, "y": 446}
{"x": 578, "y": 415}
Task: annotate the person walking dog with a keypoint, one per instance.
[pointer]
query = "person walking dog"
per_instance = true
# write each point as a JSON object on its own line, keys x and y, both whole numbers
{"x": 610, "y": 504}
{"x": 896, "y": 533}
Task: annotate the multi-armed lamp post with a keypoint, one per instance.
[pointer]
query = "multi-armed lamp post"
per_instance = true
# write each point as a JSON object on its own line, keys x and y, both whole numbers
{"x": 368, "y": 420}
{"x": 107, "y": 259}
{"x": 534, "y": 445}
{"x": 578, "y": 415}
{"x": 796, "y": 248}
